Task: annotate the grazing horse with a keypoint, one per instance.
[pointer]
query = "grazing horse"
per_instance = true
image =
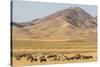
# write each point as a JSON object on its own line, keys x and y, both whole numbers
{"x": 87, "y": 57}
{"x": 34, "y": 59}
{"x": 42, "y": 58}
{"x": 51, "y": 56}
{"x": 54, "y": 57}
{"x": 18, "y": 57}
{"x": 66, "y": 58}
{"x": 72, "y": 58}
{"x": 31, "y": 58}
{"x": 57, "y": 59}
{"x": 78, "y": 57}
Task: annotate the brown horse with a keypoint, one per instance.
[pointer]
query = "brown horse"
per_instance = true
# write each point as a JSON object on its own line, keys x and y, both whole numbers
{"x": 32, "y": 58}
{"x": 87, "y": 57}
{"x": 19, "y": 56}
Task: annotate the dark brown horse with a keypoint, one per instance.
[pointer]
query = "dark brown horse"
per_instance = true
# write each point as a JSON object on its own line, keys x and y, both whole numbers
{"x": 43, "y": 59}
{"x": 78, "y": 57}
{"x": 51, "y": 56}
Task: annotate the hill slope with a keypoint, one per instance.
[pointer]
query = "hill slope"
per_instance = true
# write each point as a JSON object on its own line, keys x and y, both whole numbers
{"x": 69, "y": 24}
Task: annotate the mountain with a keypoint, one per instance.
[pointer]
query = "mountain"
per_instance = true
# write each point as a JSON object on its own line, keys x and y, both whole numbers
{"x": 79, "y": 18}
{"x": 69, "y": 24}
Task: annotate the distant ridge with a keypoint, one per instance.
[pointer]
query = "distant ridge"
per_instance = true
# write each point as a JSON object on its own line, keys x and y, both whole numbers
{"x": 16, "y": 24}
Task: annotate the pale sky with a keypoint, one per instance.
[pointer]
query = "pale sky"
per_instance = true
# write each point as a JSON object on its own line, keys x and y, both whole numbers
{"x": 24, "y": 11}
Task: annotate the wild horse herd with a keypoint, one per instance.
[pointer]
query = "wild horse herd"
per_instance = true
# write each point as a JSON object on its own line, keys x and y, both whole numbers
{"x": 50, "y": 57}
